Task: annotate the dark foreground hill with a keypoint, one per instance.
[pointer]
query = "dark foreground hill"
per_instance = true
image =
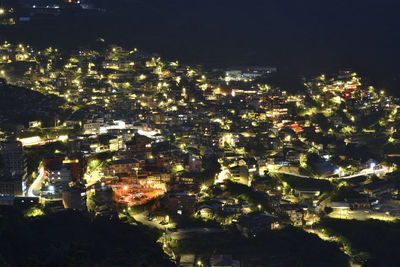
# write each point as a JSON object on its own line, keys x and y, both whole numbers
{"x": 74, "y": 239}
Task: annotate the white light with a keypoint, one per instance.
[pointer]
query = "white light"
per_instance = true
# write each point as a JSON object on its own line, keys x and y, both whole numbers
{"x": 372, "y": 165}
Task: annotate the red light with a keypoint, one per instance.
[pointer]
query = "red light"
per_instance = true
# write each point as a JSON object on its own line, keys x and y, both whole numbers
{"x": 347, "y": 95}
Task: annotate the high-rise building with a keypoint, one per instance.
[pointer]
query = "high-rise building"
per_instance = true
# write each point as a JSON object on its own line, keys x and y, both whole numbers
{"x": 13, "y": 168}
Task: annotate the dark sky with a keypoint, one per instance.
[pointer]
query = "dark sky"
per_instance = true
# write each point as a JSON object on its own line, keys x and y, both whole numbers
{"x": 301, "y": 37}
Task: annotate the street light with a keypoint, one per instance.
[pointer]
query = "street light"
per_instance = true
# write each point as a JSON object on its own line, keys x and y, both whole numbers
{"x": 137, "y": 178}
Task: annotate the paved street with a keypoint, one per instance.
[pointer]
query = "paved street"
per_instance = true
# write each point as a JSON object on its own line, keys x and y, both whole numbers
{"x": 362, "y": 215}
{"x": 153, "y": 224}
{"x": 35, "y": 187}
{"x": 381, "y": 171}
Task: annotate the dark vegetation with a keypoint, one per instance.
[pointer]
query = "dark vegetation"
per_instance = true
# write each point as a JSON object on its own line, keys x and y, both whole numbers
{"x": 287, "y": 247}
{"x": 210, "y": 167}
{"x": 19, "y": 105}
{"x": 304, "y": 183}
{"x": 343, "y": 193}
{"x": 256, "y": 199}
{"x": 73, "y": 239}
{"x": 373, "y": 242}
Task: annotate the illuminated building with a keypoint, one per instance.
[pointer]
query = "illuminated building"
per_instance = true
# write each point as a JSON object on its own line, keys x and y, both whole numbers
{"x": 13, "y": 170}
{"x": 74, "y": 198}
{"x": 140, "y": 145}
{"x": 124, "y": 166}
{"x": 13, "y": 158}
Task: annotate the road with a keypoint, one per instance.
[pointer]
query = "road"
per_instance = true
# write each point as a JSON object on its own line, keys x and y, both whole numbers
{"x": 93, "y": 176}
{"x": 35, "y": 187}
{"x": 364, "y": 172}
{"x": 180, "y": 233}
{"x": 153, "y": 224}
{"x": 186, "y": 233}
{"x": 362, "y": 215}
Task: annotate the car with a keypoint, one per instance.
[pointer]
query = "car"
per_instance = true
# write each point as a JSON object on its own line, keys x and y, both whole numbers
{"x": 150, "y": 219}
{"x": 163, "y": 223}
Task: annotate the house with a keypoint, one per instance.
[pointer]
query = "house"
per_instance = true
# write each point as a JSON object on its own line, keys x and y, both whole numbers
{"x": 74, "y": 198}
{"x": 59, "y": 169}
{"x": 187, "y": 260}
{"x": 224, "y": 261}
{"x": 187, "y": 178}
{"x": 139, "y": 145}
{"x": 341, "y": 208}
{"x": 359, "y": 203}
{"x": 231, "y": 213}
{"x": 236, "y": 208}
{"x": 100, "y": 200}
{"x": 275, "y": 193}
{"x": 295, "y": 213}
{"x": 180, "y": 203}
{"x": 205, "y": 210}
{"x": 376, "y": 189}
{"x": 92, "y": 127}
{"x": 128, "y": 166}
{"x": 240, "y": 174}
{"x": 307, "y": 192}
{"x": 158, "y": 178}
{"x": 195, "y": 163}
{"x": 160, "y": 162}
{"x": 250, "y": 225}
{"x": 58, "y": 173}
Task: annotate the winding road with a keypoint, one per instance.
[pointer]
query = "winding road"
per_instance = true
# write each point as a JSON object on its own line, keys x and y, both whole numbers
{"x": 382, "y": 170}
{"x": 36, "y": 185}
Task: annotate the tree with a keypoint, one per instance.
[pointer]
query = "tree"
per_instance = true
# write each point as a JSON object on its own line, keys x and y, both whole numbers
{"x": 322, "y": 121}
{"x": 312, "y": 162}
{"x": 328, "y": 210}
{"x": 211, "y": 167}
